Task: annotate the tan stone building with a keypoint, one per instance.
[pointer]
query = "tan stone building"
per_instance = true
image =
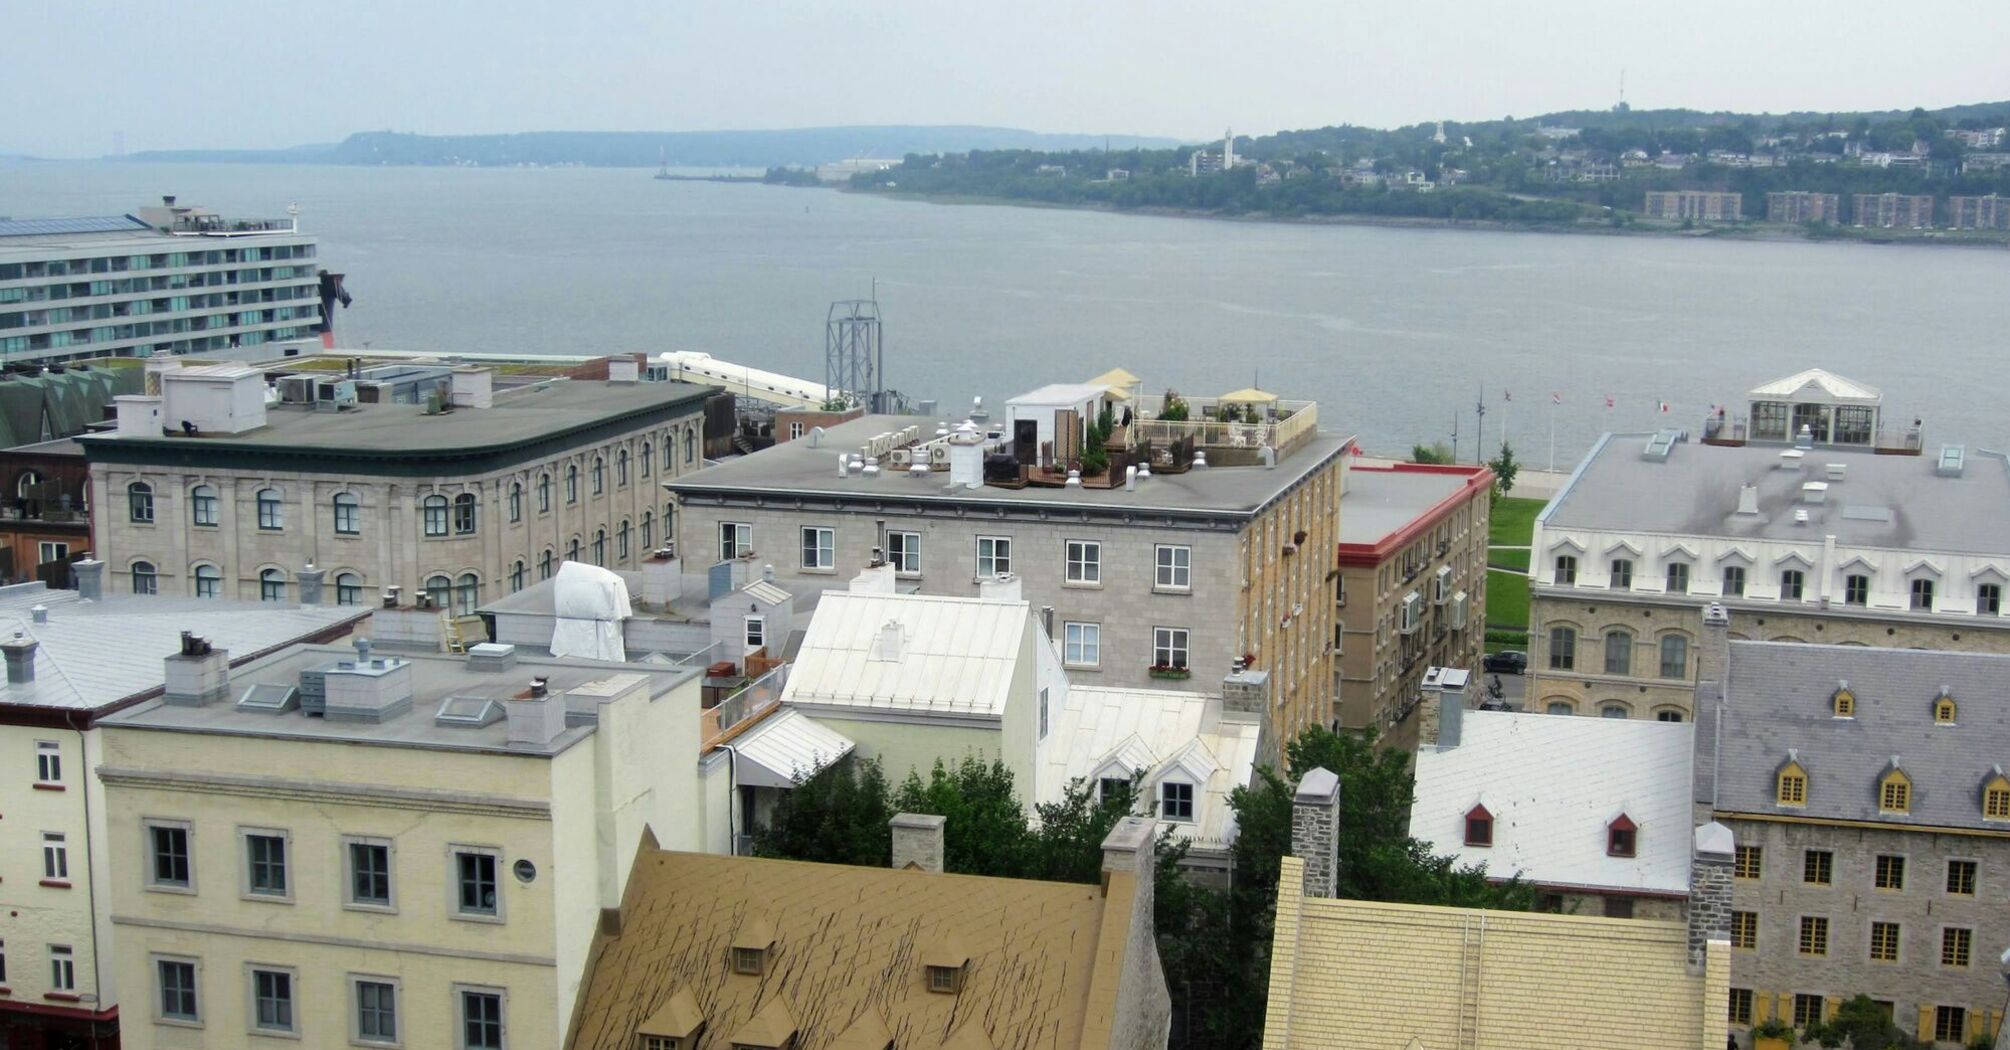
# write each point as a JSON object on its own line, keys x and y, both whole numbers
{"x": 1412, "y": 592}
{"x": 476, "y": 498}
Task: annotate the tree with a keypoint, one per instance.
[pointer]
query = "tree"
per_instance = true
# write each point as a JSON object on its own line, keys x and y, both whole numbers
{"x": 986, "y": 832}
{"x": 837, "y": 816}
{"x": 1861, "y": 1024}
{"x": 1436, "y": 452}
{"x": 1505, "y": 468}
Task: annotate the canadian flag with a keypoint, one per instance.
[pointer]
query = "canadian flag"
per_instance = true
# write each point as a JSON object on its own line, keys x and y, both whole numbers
{"x": 1664, "y": 406}
{"x": 1608, "y": 400}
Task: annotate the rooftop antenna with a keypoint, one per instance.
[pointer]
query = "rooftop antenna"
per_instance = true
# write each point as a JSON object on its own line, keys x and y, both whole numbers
{"x": 1480, "y": 429}
{"x": 1622, "y": 87}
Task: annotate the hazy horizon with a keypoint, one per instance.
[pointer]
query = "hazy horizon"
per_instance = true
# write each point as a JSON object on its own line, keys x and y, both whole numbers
{"x": 248, "y": 75}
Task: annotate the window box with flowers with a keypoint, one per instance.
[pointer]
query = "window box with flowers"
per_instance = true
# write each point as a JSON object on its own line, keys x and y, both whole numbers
{"x": 1169, "y": 671}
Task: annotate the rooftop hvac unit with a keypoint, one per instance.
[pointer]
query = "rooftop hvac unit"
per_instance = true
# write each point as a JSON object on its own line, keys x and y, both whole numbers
{"x": 1459, "y": 611}
{"x": 901, "y": 457}
{"x": 296, "y": 390}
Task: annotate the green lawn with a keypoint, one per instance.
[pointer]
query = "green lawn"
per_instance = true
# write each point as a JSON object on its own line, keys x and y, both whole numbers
{"x": 1513, "y": 524}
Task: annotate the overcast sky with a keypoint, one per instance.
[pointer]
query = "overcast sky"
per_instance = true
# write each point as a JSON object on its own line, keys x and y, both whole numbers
{"x": 259, "y": 73}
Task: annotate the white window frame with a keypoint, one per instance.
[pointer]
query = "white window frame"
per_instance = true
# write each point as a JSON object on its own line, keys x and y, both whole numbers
{"x": 756, "y": 632}
{"x": 52, "y": 550}
{"x": 251, "y": 1022}
{"x": 355, "y": 981}
{"x": 1084, "y": 563}
{"x": 204, "y": 506}
{"x": 1174, "y": 641}
{"x": 349, "y": 900}
{"x": 455, "y": 911}
{"x": 348, "y": 514}
{"x": 1081, "y": 638}
{"x": 1191, "y": 802}
{"x": 818, "y": 548}
{"x": 909, "y": 553}
{"x": 1669, "y": 571}
{"x": 461, "y": 992}
{"x": 48, "y": 763}
{"x": 154, "y": 963}
{"x": 151, "y": 857}
{"x": 995, "y": 551}
{"x": 245, "y": 889}
{"x": 742, "y": 540}
{"x": 62, "y": 968}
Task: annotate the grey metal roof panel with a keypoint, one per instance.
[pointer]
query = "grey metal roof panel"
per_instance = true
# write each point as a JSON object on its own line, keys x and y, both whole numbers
{"x": 81, "y": 224}
{"x": 1779, "y": 698}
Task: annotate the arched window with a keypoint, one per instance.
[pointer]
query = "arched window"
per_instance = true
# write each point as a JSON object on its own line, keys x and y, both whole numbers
{"x": 1668, "y": 714}
{"x": 515, "y": 502}
{"x": 544, "y": 565}
{"x": 272, "y": 585}
{"x": 690, "y": 445}
{"x": 348, "y": 589}
{"x": 1561, "y": 707}
{"x": 1674, "y": 656}
{"x": 439, "y": 591}
{"x": 516, "y": 576}
{"x": 269, "y": 514}
{"x": 1791, "y": 785}
{"x": 621, "y": 541}
{"x": 572, "y": 550}
{"x": 24, "y": 486}
{"x": 600, "y": 546}
{"x": 599, "y": 475}
{"x": 1613, "y": 709}
{"x": 543, "y": 493}
{"x": 648, "y": 532}
{"x": 1562, "y": 648}
{"x": 1943, "y": 710}
{"x": 572, "y": 483}
{"x": 348, "y": 514}
{"x": 1618, "y": 651}
{"x": 140, "y": 502}
{"x": 208, "y": 581}
{"x": 145, "y": 580}
{"x": 464, "y": 514}
{"x": 648, "y": 456}
{"x": 202, "y": 506}
{"x": 467, "y": 594}
{"x": 621, "y": 468}
{"x": 434, "y": 514}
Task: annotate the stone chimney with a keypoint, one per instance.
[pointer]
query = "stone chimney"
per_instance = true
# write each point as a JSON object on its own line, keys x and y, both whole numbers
{"x": 917, "y": 841}
{"x": 1710, "y": 872}
{"x": 1315, "y": 830}
{"x": 662, "y": 579}
{"x": 311, "y": 581}
{"x": 20, "y": 653}
{"x": 1246, "y": 690}
{"x": 1713, "y": 664}
{"x": 90, "y": 577}
{"x": 535, "y": 717}
{"x": 197, "y": 674}
{"x": 1142, "y": 1012}
{"x": 1441, "y": 715}
{"x": 471, "y": 388}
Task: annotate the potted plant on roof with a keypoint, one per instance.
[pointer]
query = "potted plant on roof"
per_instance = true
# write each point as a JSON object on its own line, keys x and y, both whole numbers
{"x": 1772, "y": 1034}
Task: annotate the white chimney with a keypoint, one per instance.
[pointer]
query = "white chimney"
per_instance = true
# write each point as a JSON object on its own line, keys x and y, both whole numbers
{"x": 475, "y": 387}
{"x": 138, "y": 416}
{"x": 1814, "y": 492}
{"x": 874, "y": 579}
{"x": 197, "y": 674}
{"x": 1748, "y": 500}
{"x": 662, "y": 579}
{"x": 1131, "y": 478}
{"x": 966, "y": 457}
{"x": 535, "y": 717}
{"x": 844, "y": 464}
{"x": 887, "y": 645}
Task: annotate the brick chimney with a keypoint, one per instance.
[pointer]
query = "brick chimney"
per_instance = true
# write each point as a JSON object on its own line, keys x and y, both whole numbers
{"x": 1315, "y": 830}
{"x": 20, "y": 653}
{"x": 1710, "y": 873}
{"x": 917, "y": 841}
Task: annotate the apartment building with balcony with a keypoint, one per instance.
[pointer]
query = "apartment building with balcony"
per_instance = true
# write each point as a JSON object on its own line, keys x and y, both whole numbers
{"x": 334, "y": 846}
{"x": 1978, "y": 213}
{"x": 1893, "y": 211}
{"x": 1695, "y": 206}
{"x": 1208, "y": 540}
{"x": 171, "y": 279}
{"x": 1412, "y": 591}
{"x": 457, "y": 494}
{"x": 1798, "y": 206}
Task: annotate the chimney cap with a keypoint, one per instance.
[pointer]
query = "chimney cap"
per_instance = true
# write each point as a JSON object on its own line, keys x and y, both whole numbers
{"x": 1321, "y": 785}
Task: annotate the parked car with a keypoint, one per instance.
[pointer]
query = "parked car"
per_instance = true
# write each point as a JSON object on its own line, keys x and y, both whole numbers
{"x": 1507, "y": 661}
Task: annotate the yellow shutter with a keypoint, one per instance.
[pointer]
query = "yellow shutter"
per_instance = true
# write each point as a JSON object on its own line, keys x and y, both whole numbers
{"x": 1925, "y": 1032}
{"x": 1786, "y": 1008}
{"x": 1829, "y": 1008}
{"x": 1762, "y": 1007}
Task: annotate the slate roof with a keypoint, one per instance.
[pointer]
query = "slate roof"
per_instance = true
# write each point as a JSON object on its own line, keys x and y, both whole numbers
{"x": 1778, "y": 697}
{"x": 1553, "y": 784}
{"x": 957, "y": 655}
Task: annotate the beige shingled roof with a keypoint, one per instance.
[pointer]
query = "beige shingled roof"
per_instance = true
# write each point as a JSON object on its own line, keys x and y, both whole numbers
{"x": 849, "y": 945}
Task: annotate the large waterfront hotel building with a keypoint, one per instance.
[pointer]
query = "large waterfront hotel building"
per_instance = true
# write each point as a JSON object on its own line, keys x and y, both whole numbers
{"x": 165, "y": 280}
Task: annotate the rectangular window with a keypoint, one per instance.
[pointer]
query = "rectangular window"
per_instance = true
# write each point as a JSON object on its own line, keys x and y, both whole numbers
{"x": 1741, "y": 1006}
{"x": 1176, "y": 801}
{"x": 51, "y": 551}
{"x": 1174, "y": 570}
{"x": 1956, "y": 944}
{"x": 1807, "y": 1009}
{"x": 481, "y": 1019}
{"x": 376, "y": 1013}
{"x": 1961, "y": 878}
{"x": 347, "y": 512}
{"x": 1922, "y": 595}
{"x": 177, "y": 990}
{"x": 265, "y": 864}
{"x": 1884, "y": 942}
{"x": 1745, "y": 930}
{"x": 1950, "y": 1024}
{"x": 1749, "y": 862}
{"x": 475, "y": 876}
{"x": 1674, "y": 656}
{"x": 1169, "y": 647}
{"x": 1890, "y": 872}
{"x": 48, "y": 762}
{"x": 1085, "y": 561}
{"x": 62, "y": 968}
{"x": 994, "y": 555}
{"x": 1734, "y": 581}
{"x": 369, "y": 875}
{"x": 1856, "y": 589}
{"x": 1622, "y": 573}
{"x": 1082, "y": 644}
{"x": 271, "y": 1000}
{"x": 736, "y": 540}
{"x": 757, "y": 632}
{"x": 167, "y": 856}
{"x": 1566, "y": 570}
{"x": 1988, "y": 599}
{"x": 1678, "y": 578}
{"x": 1817, "y": 867}
{"x": 55, "y": 856}
{"x": 1814, "y": 938}
{"x": 819, "y": 548}
{"x": 1562, "y": 648}
{"x": 903, "y": 551}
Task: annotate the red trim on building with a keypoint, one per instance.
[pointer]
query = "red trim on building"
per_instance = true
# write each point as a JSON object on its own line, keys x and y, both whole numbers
{"x": 1479, "y": 481}
{"x": 51, "y": 787}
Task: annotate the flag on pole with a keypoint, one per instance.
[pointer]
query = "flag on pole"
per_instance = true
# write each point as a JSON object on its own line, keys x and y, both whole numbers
{"x": 1664, "y": 406}
{"x": 1556, "y": 399}
{"x": 1505, "y": 396}
{"x": 1608, "y": 400}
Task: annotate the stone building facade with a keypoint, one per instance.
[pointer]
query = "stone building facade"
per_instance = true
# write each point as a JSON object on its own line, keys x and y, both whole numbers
{"x": 463, "y": 505}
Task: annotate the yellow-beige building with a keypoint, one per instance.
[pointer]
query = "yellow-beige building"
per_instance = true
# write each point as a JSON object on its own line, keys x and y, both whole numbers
{"x": 346, "y": 847}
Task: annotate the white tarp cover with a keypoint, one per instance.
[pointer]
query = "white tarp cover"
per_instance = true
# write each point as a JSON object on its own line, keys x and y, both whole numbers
{"x": 588, "y": 604}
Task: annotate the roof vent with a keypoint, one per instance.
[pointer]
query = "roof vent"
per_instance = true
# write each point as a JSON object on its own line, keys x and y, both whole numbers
{"x": 1659, "y": 446}
{"x": 270, "y": 698}
{"x": 468, "y": 712}
{"x": 1748, "y": 500}
{"x": 1800, "y": 517}
{"x": 491, "y": 656}
{"x": 1805, "y": 438}
{"x": 1815, "y": 492}
{"x": 888, "y": 643}
{"x": 366, "y": 689}
{"x": 1953, "y": 458}
{"x": 1837, "y": 471}
{"x": 1792, "y": 459}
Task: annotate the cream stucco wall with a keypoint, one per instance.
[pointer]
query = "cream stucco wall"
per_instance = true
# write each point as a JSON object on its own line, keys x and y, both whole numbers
{"x": 38, "y": 914}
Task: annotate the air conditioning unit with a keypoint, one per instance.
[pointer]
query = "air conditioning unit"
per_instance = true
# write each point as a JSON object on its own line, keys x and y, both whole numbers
{"x": 1459, "y": 611}
{"x": 296, "y": 390}
{"x": 1411, "y": 615}
{"x": 1442, "y": 587}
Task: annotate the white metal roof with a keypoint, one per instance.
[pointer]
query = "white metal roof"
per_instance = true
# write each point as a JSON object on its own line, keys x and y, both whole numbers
{"x": 786, "y": 746}
{"x": 1061, "y": 394}
{"x": 1154, "y": 733}
{"x": 956, "y": 655}
{"x": 765, "y": 592}
{"x": 1553, "y": 783}
{"x": 1827, "y": 384}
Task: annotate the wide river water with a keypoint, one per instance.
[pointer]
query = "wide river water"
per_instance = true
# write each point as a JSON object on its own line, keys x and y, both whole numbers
{"x": 1394, "y": 331}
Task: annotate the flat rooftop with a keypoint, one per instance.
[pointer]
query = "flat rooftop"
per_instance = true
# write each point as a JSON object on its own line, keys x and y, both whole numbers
{"x": 1381, "y": 502}
{"x": 518, "y": 417}
{"x": 435, "y": 678}
{"x": 798, "y": 468}
{"x": 1891, "y": 502}
{"x": 37, "y": 238}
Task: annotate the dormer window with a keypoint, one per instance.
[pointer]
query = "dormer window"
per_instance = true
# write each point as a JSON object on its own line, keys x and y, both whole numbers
{"x": 752, "y": 945}
{"x": 772, "y": 1028}
{"x": 1894, "y": 792}
{"x": 748, "y": 960}
{"x": 1176, "y": 801}
{"x": 946, "y": 979}
{"x": 1943, "y": 710}
{"x": 1479, "y": 827}
{"x": 1791, "y": 787}
{"x": 1844, "y": 703}
{"x": 1996, "y": 797}
{"x": 1622, "y": 837}
{"x": 676, "y": 1025}
{"x": 944, "y": 964}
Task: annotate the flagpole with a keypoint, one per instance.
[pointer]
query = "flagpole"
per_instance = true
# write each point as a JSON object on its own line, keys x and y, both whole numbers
{"x": 1552, "y": 433}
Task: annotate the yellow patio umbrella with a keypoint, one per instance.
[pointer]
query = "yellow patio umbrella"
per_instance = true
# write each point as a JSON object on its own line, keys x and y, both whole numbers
{"x": 1247, "y": 396}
